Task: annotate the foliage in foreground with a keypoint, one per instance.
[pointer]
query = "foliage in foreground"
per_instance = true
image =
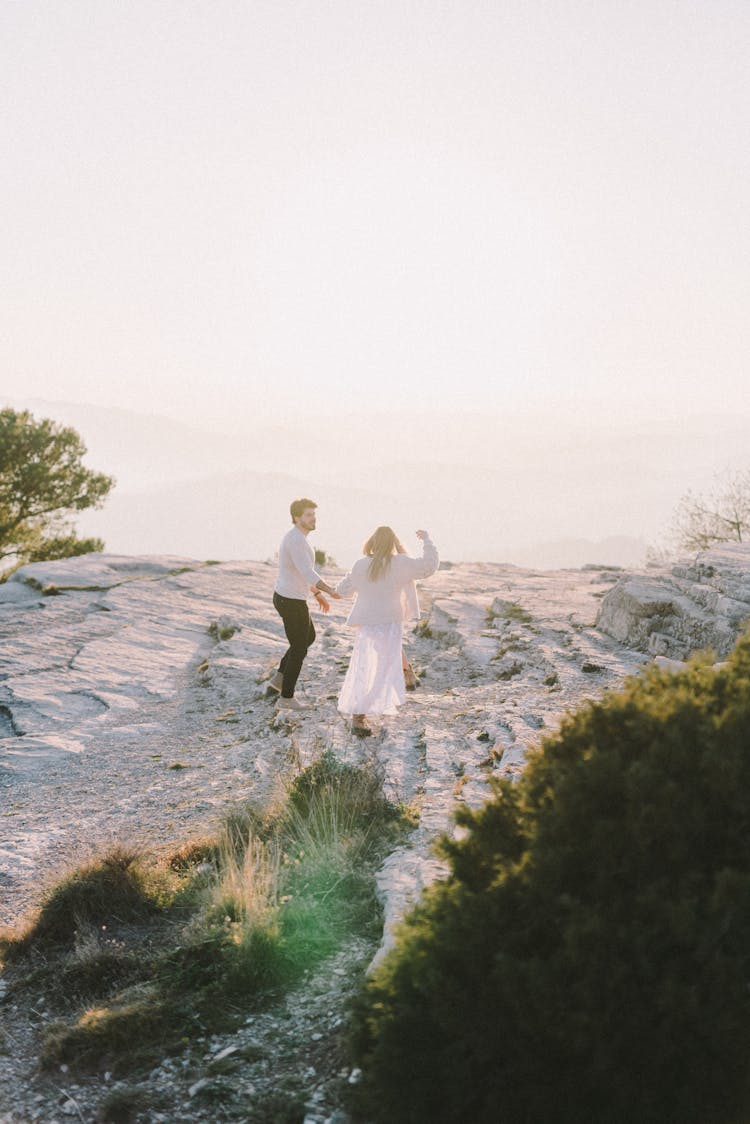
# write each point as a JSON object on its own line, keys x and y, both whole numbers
{"x": 160, "y": 957}
{"x": 589, "y": 956}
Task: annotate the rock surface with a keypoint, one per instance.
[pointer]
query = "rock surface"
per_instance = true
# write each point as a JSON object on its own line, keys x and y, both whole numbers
{"x": 133, "y": 709}
{"x": 699, "y": 603}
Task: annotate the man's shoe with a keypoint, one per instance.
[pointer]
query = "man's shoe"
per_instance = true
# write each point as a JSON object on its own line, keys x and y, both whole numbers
{"x": 410, "y": 680}
{"x": 277, "y": 682}
{"x": 289, "y": 704}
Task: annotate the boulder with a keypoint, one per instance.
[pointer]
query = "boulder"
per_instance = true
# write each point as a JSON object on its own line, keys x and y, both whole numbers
{"x": 699, "y": 603}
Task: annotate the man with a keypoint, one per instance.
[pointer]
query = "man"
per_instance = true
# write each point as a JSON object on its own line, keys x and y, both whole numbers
{"x": 296, "y": 578}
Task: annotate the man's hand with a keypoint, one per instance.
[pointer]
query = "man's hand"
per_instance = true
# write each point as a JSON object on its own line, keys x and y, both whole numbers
{"x": 321, "y": 586}
{"x": 322, "y": 601}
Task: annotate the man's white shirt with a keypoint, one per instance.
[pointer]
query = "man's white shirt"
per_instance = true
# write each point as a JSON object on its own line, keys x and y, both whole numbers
{"x": 296, "y": 570}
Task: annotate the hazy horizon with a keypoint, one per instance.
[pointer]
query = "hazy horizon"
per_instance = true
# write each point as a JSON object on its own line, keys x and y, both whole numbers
{"x": 521, "y": 494}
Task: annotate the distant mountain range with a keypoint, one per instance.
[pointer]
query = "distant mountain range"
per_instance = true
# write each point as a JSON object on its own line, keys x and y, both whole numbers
{"x": 509, "y": 490}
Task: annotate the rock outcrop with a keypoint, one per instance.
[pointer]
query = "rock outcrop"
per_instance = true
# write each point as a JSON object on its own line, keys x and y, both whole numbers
{"x": 699, "y": 603}
{"x": 134, "y": 708}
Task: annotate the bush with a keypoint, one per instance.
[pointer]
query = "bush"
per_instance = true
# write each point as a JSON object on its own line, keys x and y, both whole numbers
{"x": 588, "y": 957}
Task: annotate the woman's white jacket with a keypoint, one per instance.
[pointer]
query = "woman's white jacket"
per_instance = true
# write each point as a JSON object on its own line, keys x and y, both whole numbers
{"x": 393, "y": 597}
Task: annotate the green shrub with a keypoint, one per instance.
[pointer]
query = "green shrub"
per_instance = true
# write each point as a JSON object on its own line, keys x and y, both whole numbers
{"x": 588, "y": 958}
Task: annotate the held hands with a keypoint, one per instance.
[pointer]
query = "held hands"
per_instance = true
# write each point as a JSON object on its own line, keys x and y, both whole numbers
{"x": 323, "y": 601}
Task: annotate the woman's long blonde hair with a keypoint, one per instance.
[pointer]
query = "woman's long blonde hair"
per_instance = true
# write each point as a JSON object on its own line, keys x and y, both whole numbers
{"x": 382, "y": 544}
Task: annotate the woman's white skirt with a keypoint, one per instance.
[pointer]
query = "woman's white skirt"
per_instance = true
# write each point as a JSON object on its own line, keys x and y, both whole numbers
{"x": 374, "y": 682}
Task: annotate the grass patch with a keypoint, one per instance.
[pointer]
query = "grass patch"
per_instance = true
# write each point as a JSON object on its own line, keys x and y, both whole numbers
{"x": 116, "y": 888}
{"x": 222, "y": 630}
{"x": 507, "y": 611}
{"x": 127, "y": 1104}
{"x": 130, "y": 1035}
{"x": 161, "y": 958}
{"x": 511, "y": 670}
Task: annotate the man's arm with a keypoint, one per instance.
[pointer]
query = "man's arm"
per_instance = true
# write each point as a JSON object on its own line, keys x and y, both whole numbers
{"x": 326, "y": 588}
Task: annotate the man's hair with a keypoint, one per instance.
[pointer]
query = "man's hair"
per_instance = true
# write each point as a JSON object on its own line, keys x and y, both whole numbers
{"x": 296, "y": 507}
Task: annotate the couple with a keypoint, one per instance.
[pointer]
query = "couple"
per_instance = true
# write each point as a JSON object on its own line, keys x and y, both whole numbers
{"x": 383, "y": 584}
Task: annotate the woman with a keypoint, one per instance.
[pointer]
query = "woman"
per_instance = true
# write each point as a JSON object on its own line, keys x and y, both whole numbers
{"x": 383, "y": 582}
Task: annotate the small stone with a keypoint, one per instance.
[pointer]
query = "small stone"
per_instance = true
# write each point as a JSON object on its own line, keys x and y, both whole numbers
{"x": 534, "y": 720}
{"x": 70, "y": 1108}
{"x": 196, "y": 1088}
{"x": 225, "y": 1053}
{"x": 225, "y": 1063}
{"x": 355, "y": 1076}
{"x": 317, "y": 1036}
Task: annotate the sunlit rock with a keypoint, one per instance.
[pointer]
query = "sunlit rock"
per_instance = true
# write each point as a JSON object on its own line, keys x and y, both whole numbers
{"x": 703, "y": 603}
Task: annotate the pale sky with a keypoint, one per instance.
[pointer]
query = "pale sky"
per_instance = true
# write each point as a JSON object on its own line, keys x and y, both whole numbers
{"x": 220, "y": 211}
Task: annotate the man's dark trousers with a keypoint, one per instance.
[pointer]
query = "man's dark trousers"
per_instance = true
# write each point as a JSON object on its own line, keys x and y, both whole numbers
{"x": 300, "y": 632}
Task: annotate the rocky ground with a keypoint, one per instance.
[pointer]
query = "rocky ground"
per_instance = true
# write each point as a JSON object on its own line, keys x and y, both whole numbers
{"x": 133, "y": 709}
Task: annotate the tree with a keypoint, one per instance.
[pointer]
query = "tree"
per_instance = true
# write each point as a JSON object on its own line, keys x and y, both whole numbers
{"x": 42, "y": 481}
{"x": 588, "y": 956}
{"x": 723, "y": 515}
